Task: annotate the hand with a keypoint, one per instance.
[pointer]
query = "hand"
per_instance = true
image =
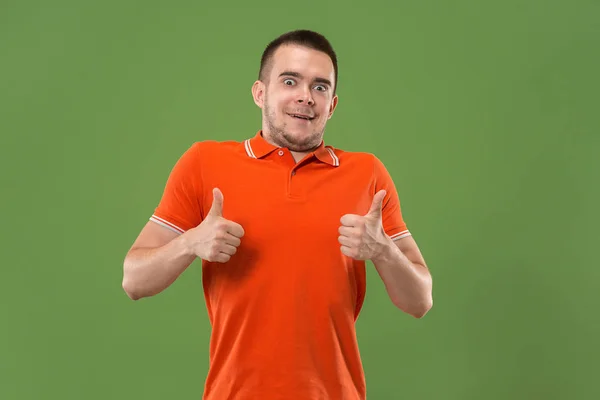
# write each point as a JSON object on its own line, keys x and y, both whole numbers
{"x": 216, "y": 239}
{"x": 362, "y": 236}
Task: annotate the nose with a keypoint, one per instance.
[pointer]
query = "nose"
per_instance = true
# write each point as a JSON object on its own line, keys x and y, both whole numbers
{"x": 305, "y": 97}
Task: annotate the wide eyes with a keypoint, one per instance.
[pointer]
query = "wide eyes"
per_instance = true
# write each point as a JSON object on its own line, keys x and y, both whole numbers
{"x": 291, "y": 82}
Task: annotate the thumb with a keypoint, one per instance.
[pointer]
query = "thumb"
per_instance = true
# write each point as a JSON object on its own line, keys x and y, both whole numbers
{"x": 216, "y": 210}
{"x": 377, "y": 204}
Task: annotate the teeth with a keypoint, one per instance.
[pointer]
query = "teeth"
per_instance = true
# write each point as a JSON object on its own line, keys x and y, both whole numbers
{"x": 300, "y": 116}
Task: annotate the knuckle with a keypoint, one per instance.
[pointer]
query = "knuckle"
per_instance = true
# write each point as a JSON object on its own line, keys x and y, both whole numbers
{"x": 221, "y": 225}
{"x": 220, "y": 234}
{"x": 214, "y": 251}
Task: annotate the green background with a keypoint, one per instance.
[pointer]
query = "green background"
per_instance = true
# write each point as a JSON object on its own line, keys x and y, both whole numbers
{"x": 485, "y": 113}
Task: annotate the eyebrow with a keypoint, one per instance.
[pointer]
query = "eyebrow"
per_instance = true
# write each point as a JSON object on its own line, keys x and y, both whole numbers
{"x": 299, "y": 75}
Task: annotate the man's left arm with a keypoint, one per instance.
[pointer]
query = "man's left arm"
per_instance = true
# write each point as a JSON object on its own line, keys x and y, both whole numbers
{"x": 405, "y": 275}
{"x": 399, "y": 263}
{"x": 382, "y": 236}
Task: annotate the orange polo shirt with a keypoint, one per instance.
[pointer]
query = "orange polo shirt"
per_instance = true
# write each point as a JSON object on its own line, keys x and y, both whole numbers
{"x": 283, "y": 309}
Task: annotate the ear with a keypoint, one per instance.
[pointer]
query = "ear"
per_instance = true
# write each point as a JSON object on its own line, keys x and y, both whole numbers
{"x": 258, "y": 93}
{"x": 333, "y": 105}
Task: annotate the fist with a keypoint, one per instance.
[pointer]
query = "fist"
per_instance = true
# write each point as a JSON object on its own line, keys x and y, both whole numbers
{"x": 216, "y": 239}
{"x": 362, "y": 236}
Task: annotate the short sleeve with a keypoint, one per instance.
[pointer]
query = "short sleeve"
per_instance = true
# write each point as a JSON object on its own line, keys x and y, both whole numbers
{"x": 179, "y": 208}
{"x": 393, "y": 222}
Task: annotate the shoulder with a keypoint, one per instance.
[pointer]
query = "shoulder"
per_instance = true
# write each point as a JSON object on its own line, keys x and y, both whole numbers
{"x": 200, "y": 154}
{"x": 369, "y": 165}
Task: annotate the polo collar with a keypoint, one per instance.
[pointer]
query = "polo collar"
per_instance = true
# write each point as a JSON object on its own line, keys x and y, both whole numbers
{"x": 258, "y": 147}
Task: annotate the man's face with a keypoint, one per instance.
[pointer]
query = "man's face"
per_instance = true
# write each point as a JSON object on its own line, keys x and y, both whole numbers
{"x": 297, "y": 99}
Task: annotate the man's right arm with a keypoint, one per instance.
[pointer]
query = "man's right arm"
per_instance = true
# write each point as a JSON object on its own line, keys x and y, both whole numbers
{"x": 158, "y": 256}
{"x": 155, "y": 261}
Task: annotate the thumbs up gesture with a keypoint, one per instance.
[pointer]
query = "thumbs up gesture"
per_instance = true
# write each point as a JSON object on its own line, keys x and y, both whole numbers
{"x": 362, "y": 236}
{"x": 216, "y": 239}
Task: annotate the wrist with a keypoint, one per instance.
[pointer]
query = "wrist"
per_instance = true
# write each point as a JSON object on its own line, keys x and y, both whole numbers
{"x": 185, "y": 244}
{"x": 386, "y": 251}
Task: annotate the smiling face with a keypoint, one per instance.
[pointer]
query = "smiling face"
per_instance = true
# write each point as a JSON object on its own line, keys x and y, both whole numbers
{"x": 297, "y": 97}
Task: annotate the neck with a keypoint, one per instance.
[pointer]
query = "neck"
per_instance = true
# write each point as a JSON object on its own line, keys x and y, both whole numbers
{"x": 298, "y": 156}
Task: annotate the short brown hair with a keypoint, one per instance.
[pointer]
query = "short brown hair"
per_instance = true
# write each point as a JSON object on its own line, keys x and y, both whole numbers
{"x": 301, "y": 37}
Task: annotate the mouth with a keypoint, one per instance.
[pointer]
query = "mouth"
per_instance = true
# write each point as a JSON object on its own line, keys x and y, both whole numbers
{"x": 302, "y": 117}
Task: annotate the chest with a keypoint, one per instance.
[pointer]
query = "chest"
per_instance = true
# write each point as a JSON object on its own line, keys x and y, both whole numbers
{"x": 274, "y": 203}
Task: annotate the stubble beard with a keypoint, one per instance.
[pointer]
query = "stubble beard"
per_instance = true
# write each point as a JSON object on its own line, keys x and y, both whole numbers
{"x": 282, "y": 138}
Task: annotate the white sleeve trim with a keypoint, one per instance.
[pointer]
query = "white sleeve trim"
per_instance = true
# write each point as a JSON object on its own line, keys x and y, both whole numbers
{"x": 400, "y": 235}
{"x": 166, "y": 224}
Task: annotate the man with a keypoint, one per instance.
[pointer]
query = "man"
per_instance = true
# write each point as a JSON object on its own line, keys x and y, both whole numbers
{"x": 283, "y": 225}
